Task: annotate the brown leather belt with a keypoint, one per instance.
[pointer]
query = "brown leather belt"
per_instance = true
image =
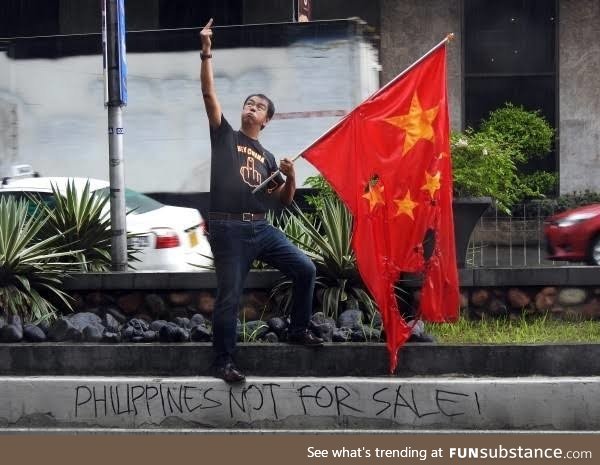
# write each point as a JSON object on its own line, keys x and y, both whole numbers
{"x": 236, "y": 216}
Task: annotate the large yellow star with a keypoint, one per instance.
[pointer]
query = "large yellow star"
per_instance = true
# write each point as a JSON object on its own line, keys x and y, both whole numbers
{"x": 417, "y": 123}
{"x": 406, "y": 206}
{"x": 374, "y": 196}
{"x": 432, "y": 183}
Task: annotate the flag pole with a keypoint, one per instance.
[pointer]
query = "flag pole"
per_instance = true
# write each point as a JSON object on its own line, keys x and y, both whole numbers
{"x": 446, "y": 39}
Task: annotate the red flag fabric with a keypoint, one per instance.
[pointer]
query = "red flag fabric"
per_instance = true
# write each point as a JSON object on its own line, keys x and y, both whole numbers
{"x": 389, "y": 161}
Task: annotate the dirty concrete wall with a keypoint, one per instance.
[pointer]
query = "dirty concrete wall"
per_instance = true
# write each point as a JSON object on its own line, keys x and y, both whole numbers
{"x": 579, "y": 95}
{"x": 410, "y": 28}
{"x": 424, "y": 403}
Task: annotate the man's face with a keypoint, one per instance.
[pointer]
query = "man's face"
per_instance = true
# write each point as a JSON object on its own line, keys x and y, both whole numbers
{"x": 255, "y": 111}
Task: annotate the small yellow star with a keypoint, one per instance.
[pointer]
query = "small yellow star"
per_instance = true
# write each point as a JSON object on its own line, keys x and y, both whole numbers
{"x": 432, "y": 183}
{"x": 374, "y": 196}
{"x": 417, "y": 123}
{"x": 406, "y": 206}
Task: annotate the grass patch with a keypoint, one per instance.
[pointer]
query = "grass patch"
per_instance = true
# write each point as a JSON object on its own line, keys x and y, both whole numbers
{"x": 529, "y": 330}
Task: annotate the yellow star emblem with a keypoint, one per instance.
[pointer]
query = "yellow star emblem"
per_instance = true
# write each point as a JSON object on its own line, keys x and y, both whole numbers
{"x": 417, "y": 123}
{"x": 432, "y": 183}
{"x": 374, "y": 196}
{"x": 406, "y": 206}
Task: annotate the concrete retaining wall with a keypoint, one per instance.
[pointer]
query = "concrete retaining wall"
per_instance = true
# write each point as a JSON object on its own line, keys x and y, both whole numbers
{"x": 338, "y": 359}
{"x": 264, "y": 279}
{"x": 426, "y": 403}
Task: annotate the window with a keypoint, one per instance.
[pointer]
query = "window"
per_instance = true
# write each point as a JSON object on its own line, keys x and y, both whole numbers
{"x": 194, "y": 13}
{"x": 135, "y": 202}
{"x": 510, "y": 57}
{"x": 31, "y": 198}
{"x": 29, "y": 17}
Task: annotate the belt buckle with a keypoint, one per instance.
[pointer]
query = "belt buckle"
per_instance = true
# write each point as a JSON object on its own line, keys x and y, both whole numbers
{"x": 246, "y": 216}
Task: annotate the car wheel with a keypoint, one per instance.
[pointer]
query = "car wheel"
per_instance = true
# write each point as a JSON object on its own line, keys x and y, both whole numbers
{"x": 594, "y": 254}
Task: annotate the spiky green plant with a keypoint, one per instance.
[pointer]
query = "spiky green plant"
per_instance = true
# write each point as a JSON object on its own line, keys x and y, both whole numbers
{"x": 81, "y": 222}
{"x": 30, "y": 269}
{"x": 326, "y": 238}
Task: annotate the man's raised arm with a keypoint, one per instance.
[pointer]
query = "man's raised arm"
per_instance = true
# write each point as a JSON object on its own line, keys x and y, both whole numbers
{"x": 211, "y": 103}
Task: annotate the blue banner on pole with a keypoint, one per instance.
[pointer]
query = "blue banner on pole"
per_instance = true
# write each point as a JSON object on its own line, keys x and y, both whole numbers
{"x": 122, "y": 53}
{"x": 114, "y": 53}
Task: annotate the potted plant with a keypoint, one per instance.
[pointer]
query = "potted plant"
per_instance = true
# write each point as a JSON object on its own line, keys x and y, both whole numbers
{"x": 483, "y": 172}
{"x": 494, "y": 164}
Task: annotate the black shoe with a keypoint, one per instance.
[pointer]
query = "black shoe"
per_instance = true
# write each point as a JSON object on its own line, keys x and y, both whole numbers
{"x": 229, "y": 373}
{"x": 305, "y": 338}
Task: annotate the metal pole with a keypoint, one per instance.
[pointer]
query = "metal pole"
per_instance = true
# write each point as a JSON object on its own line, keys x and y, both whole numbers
{"x": 113, "y": 16}
{"x": 118, "y": 222}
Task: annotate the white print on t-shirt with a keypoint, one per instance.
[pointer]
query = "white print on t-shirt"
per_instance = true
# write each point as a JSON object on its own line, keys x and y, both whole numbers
{"x": 249, "y": 174}
{"x": 248, "y": 151}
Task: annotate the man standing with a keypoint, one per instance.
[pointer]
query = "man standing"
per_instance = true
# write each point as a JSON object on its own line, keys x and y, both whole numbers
{"x": 238, "y": 230}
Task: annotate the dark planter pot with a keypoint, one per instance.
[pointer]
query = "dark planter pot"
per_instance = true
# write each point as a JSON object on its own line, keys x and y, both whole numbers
{"x": 467, "y": 211}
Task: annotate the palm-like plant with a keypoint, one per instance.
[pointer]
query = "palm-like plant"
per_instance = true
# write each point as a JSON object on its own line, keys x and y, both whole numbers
{"x": 326, "y": 238}
{"x": 81, "y": 222}
{"x": 30, "y": 272}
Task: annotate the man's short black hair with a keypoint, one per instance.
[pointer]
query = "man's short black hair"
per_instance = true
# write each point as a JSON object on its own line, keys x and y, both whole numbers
{"x": 270, "y": 107}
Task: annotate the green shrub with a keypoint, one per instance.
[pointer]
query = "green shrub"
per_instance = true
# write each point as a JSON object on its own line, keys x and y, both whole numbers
{"x": 525, "y": 133}
{"x": 322, "y": 190}
{"x": 540, "y": 183}
{"x": 482, "y": 167}
{"x": 528, "y": 137}
{"x": 499, "y": 159}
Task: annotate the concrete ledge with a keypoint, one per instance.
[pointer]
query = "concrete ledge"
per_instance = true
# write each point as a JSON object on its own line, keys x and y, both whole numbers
{"x": 264, "y": 279}
{"x": 162, "y": 280}
{"x": 544, "y": 276}
{"x": 281, "y": 403}
{"x": 347, "y": 359}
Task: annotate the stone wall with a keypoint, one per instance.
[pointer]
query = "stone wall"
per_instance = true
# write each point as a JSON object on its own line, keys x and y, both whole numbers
{"x": 566, "y": 303}
{"x": 184, "y": 316}
{"x": 177, "y": 307}
{"x": 563, "y": 302}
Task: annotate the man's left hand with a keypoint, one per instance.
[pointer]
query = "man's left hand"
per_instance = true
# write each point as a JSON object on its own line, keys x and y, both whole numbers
{"x": 286, "y": 166}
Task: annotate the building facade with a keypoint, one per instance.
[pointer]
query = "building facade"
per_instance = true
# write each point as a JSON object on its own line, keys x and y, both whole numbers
{"x": 542, "y": 54}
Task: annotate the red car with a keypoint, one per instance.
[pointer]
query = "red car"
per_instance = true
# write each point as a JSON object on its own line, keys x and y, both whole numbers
{"x": 574, "y": 235}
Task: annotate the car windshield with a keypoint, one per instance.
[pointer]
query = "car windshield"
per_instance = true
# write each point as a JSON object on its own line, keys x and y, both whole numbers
{"x": 135, "y": 202}
{"x": 30, "y": 198}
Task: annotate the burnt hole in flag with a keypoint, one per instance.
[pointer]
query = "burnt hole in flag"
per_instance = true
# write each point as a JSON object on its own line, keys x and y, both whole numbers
{"x": 373, "y": 181}
{"x": 428, "y": 244}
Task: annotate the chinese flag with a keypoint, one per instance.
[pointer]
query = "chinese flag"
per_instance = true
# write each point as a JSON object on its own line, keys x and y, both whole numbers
{"x": 389, "y": 162}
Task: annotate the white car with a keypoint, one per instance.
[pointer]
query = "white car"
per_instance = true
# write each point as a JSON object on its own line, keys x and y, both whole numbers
{"x": 169, "y": 238}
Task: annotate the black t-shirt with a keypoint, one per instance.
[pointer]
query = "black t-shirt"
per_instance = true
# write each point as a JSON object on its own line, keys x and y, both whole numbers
{"x": 238, "y": 165}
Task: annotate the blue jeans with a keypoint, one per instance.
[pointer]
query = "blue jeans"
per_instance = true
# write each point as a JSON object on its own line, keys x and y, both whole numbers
{"x": 235, "y": 245}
